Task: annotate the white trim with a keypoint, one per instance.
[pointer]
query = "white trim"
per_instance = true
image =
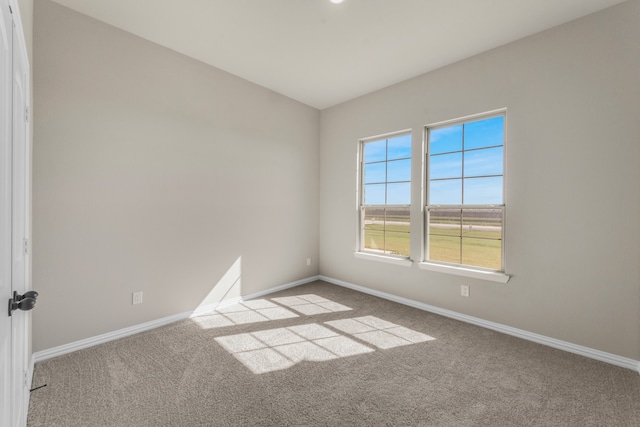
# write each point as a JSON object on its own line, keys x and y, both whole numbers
{"x": 602, "y": 356}
{"x": 591, "y": 353}
{"x": 501, "y": 112}
{"x": 22, "y": 42}
{"x": 387, "y": 135}
{"x": 29, "y": 385}
{"x": 469, "y": 118}
{"x": 360, "y": 184}
{"x": 493, "y": 276}
{"x": 403, "y": 262}
{"x": 30, "y": 374}
{"x": 121, "y": 333}
{"x": 39, "y": 356}
{"x": 22, "y": 58}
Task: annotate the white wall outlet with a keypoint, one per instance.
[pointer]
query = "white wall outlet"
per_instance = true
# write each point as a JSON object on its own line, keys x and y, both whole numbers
{"x": 308, "y": 261}
{"x": 137, "y": 298}
{"x": 464, "y": 290}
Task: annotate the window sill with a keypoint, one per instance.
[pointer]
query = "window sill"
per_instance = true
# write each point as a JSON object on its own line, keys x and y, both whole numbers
{"x": 491, "y": 276}
{"x": 403, "y": 262}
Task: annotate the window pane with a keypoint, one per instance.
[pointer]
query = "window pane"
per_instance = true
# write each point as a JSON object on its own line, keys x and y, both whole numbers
{"x": 445, "y": 140}
{"x": 445, "y": 192}
{"x": 373, "y": 229}
{"x": 446, "y": 166}
{"x": 399, "y": 170}
{"x": 482, "y": 223}
{"x": 397, "y": 226}
{"x": 482, "y": 253}
{"x": 483, "y": 191}
{"x": 386, "y": 184}
{"x": 399, "y": 194}
{"x": 397, "y": 219}
{"x": 399, "y": 147}
{"x": 375, "y": 172}
{"x": 374, "y": 240}
{"x": 397, "y": 243}
{"x": 444, "y": 248}
{"x": 484, "y": 133}
{"x": 375, "y": 151}
{"x": 486, "y": 161}
{"x": 444, "y": 222}
{"x": 374, "y": 194}
{"x": 466, "y": 167}
{"x": 374, "y": 219}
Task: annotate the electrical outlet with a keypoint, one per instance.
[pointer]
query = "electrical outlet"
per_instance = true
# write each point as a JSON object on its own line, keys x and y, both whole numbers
{"x": 308, "y": 261}
{"x": 137, "y": 298}
{"x": 464, "y": 290}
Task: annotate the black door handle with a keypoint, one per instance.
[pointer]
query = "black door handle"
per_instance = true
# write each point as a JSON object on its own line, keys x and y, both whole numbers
{"x": 30, "y": 294}
{"x": 23, "y": 302}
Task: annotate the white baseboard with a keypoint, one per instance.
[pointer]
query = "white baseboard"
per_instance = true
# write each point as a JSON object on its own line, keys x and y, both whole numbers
{"x": 121, "y": 333}
{"x": 591, "y": 353}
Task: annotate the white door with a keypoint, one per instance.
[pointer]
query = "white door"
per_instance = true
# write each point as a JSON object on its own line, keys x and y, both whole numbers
{"x": 14, "y": 203}
{"x": 19, "y": 243}
{"x": 6, "y": 67}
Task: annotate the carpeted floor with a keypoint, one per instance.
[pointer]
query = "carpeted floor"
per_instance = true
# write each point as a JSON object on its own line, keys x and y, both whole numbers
{"x": 322, "y": 355}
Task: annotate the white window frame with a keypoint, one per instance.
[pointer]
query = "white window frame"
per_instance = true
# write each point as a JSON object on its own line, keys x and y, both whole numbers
{"x": 362, "y": 252}
{"x": 463, "y": 269}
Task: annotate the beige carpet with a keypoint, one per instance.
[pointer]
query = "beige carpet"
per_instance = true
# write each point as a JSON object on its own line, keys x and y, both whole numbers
{"x": 321, "y": 355}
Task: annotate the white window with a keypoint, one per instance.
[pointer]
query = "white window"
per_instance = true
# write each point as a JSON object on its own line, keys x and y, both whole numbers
{"x": 465, "y": 193}
{"x": 385, "y": 195}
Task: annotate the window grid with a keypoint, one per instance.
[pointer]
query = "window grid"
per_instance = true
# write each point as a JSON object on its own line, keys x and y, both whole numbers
{"x": 384, "y": 225}
{"x": 470, "y": 229}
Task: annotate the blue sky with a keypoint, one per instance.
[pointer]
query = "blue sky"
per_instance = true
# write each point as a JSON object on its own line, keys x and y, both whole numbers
{"x": 481, "y": 133}
{"x": 397, "y": 153}
{"x": 463, "y": 159}
{"x": 454, "y": 171}
{"x": 399, "y": 147}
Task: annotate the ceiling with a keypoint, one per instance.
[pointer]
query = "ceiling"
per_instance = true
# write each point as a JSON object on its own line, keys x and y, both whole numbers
{"x": 322, "y": 54}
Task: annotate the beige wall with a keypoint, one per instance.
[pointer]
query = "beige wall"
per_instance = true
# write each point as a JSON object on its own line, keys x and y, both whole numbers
{"x": 573, "y": 180}
{"x": 155, "y": 172}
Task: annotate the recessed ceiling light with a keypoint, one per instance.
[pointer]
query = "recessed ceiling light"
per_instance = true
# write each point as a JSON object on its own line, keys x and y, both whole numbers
{"x": 336, "y": 1}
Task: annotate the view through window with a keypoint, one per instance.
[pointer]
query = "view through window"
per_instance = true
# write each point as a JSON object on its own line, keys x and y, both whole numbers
{"x": 465, "y": 208}
{"x": 386, "y": 195}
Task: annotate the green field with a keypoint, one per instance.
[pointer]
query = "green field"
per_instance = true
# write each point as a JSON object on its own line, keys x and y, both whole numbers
{"x": 393, "y": 242}
{"x": 475, "y": 251}
{"x": 482, "y": 248}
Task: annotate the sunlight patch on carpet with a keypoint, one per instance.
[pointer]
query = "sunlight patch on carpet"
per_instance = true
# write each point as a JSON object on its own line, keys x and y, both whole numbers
{"x": 281, "y": 348}
{"x": 264, "y": 310}
{"x": 311, "y": 304}
{"x": 253, "y": 311}
{"x": 378, "y": 332}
